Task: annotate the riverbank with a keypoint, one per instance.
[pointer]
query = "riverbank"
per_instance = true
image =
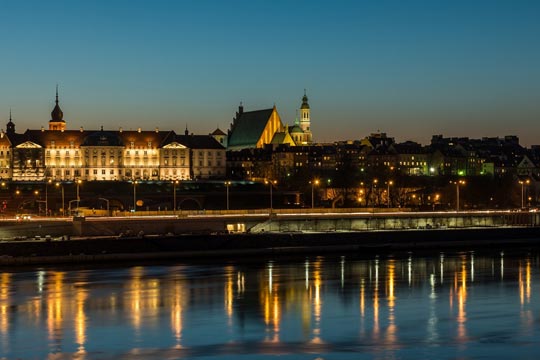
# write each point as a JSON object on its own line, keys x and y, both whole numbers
{"x": 112, "y": 249}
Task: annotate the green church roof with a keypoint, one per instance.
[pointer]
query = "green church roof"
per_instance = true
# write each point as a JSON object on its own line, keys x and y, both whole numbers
{"x": 248, "y": 128}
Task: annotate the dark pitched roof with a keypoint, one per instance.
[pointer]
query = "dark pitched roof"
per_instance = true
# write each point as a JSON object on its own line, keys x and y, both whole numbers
{"x": 248, "y": 127}
{"x": 198, "y": 141}
{"x": 103, "y": 138}
{"x": 141, "y": 139}
{"x": 60, "y": 138}
{"x": 218, "y": 132}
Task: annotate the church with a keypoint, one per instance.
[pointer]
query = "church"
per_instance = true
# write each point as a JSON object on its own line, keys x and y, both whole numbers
{"x": 256, "y": 129}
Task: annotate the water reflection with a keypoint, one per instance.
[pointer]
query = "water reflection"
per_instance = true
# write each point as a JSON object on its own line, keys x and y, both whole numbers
{"x": 317, "y": 305}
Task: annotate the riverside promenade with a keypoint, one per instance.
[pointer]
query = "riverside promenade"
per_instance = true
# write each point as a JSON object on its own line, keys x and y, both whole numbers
{"x": 204, "y": 234}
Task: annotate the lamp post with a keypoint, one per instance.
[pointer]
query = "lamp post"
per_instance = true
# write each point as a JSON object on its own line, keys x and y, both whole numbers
{"x": 227, "y": 184}
{"x": 437, "y": 197}
{"x": 523, "y": 183}
{"x": 374, "y": 191}
{"x": 175, "y": 182}
{"x": 363, "y": 194}
{"x": 313, "y": 183}
{"x": 135, "y": 196}
{"x": 47, "y": 197}
{"x": 457, "y": 183}
{"x": 78, "y": 182}
{"x": 63, "y": 203}
{"x": 388, "y": 183}
{"x": 270, "y": 183}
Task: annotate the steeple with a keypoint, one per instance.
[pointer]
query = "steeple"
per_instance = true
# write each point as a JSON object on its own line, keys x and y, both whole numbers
{"x": 57, "y": 116}
{"x": 305, "y": 119}
{"x": 305, "y": 104}
{"x": 10, "y": 126}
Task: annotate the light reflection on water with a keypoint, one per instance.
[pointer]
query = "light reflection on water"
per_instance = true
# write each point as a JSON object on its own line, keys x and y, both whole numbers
{"x": 446, "y": 306}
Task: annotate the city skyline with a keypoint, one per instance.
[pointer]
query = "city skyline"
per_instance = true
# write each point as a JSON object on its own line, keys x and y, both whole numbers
{"x": 411, "y": 70}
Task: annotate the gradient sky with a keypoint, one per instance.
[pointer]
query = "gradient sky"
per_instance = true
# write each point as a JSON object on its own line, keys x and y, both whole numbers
{"x": 408, "y": 68}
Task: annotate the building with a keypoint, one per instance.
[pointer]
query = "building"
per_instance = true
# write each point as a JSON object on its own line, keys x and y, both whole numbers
{"x": 256, "y": 129}
{"x": 59, "y": 154}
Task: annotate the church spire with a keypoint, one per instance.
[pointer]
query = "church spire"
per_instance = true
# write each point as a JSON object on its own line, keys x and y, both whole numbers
{"x": 10, "y": 126}
{"x": 305, "y": 118}
{"x": 57, "y": 116}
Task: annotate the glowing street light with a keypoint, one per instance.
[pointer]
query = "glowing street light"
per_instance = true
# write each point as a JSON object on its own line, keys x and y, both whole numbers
{"x": 47, "y": 197}
{"x": 523, "y": 183}
{"x": 270, "y": 183}
{"x": 135, "y": 196}
{"x": 63, "y": 202}
{"x": 388, "y": 183}
{"x": 313, "y": 183}
{"x": 78, "y": 182}
{"x": 435, "y": 200}
{"x": 227, "y": 184}
{"x": 175, "y": 182}
{"x": 457, "y": 183}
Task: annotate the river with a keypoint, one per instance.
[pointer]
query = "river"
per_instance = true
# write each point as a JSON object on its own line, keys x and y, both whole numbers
{"x": 444, "y": 306}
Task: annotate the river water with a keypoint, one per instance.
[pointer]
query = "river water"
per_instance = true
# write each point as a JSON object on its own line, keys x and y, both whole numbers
{"x": 445, "y": 306}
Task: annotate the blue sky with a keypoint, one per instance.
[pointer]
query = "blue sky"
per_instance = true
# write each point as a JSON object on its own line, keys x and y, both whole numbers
{"x": 408, "y": 68}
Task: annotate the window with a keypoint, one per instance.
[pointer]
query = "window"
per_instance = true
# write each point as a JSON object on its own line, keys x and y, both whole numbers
{"x": 95, "y": 171}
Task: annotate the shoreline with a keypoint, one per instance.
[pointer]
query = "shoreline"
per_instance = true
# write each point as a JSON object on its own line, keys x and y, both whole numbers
{"x": 114, "y": 249}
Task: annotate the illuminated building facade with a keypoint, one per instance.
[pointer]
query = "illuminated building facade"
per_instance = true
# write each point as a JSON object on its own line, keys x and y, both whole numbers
{"x": 256, "y": 129}
{"x": 66, "y": 155}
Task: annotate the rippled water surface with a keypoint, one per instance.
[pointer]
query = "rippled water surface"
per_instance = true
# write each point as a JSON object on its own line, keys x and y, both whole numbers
{"x": 447, "y": 306}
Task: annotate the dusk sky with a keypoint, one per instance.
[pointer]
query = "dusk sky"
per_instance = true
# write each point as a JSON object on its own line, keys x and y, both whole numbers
{"x": 408, "y": 68}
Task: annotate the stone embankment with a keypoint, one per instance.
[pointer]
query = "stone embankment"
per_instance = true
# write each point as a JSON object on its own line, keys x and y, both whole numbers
{"x": 114, "y": 248}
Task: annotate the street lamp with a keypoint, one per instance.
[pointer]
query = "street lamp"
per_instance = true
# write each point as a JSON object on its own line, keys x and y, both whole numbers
{"x": 436, "y": 199}
{"x": 175, "y": 182}
{"x": 457, "y": 183}
{"x": 270, "y": 183}
{"x": 78, "y": 182}
{"x": 388, "y": 183}
{"x": 523, "y": 183}
{"x": 47, "y": 197}
{"x": 134, "y": 196}
{"x": 227, "y": 184}
{"x": 63, "y": 204}
{"x": 374, "y": 192}
{"x": 313, "y": 183}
